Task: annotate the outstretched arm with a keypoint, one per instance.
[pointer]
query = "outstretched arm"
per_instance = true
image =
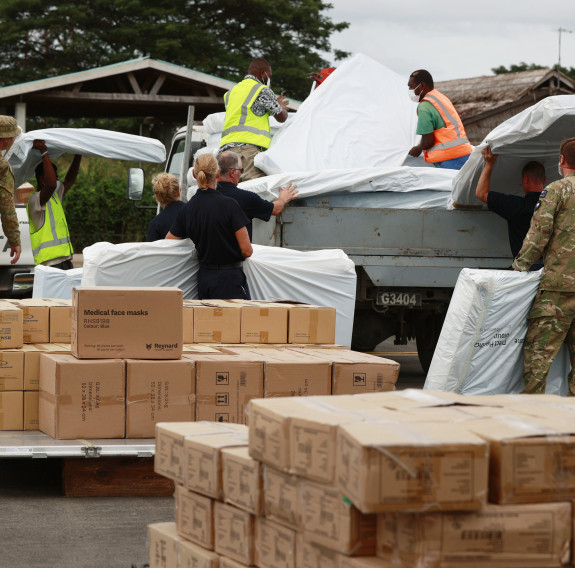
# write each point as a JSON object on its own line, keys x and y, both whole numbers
{"x": 50, "y": 179}
{"x": 72, "y": 173}
{"x": 286, "y": 194}
{"x": 483, "y": 185}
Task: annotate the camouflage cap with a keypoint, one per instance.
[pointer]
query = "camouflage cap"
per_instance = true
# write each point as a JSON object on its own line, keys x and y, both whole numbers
{"x": 8, "y": 127}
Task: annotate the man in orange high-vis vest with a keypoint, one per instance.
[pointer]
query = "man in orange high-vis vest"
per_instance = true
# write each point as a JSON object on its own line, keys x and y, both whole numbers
{"x": 443, "y": 140}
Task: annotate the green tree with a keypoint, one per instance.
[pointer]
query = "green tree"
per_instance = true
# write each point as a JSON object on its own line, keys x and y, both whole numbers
{"x": 219, "y": 37}
{"x": 570, "y": 72}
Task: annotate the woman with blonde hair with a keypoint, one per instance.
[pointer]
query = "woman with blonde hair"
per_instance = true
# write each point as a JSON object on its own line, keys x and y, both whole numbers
{"x": 217, "y": 226}
{"x": 168, "y": 194}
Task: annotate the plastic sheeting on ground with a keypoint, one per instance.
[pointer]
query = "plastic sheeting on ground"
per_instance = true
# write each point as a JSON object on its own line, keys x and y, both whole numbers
{"x": 325, "y": 277}
{"x": 360, "y": 117}
{"x": 480, "y": 348}
{"x": 50, "y": 282}
{"x": 401, "y": 179}
{"x": 85, "y": 141}
{"x": 533, "y": 134}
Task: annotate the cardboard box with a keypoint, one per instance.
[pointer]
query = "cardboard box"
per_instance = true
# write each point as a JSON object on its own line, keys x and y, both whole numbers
{"x": 169, "y": 459}
{"x": 264, "y": 322}
{"x": 224, "y": 386}
{"x": 229, "y": 563}
{"x": 192, "y": 556}
{"x": 12, "y": 410}
{"x": 311, "y": 324}
{"x": 364, "y": 562}
{"x": 234, "y": 532}
{"x": 412, "y": 466}
{"x": 11, "y": 370}
{"x": 312, "y": 555}
{"x": 195, "y": 517}
{"x": 60, "y": 320}
{"x": 158, "y": 391}
{"x": 275, "y": 545}
{"x": 35, "y": 320}
{"x": 532, "y": 459}
{"x": 32, "y": 352}
{"x": 294, "y": 373}
{"x": 282, "y": 498}
{"x": 514, "y": 536}
{"x": 330, "y": 521}
{"x": 31, "y": 410}
{"x": 217, "y": 321}
{"x": 242, "y": 480}
{"x": 358, "y": 373}
{"x": 201, "y": 349}
{"x": 11, "y": 326}
{"x": 82, "y": 399}
{"x": 163, "y": 539}
{"x": 203, "y": 461}
{"x": 131, "y": 323}
{"x": 188, "y": 320}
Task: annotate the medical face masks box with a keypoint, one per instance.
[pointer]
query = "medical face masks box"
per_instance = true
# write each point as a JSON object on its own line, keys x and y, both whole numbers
{"x": 82, "y": 399}
{"x": 131, "y": 323}
{"x": 35, "y": 319}
{"x": 60, "y": 320}
{"x": 217, "y": 321}
{"x": 11, "y": 410}
{"x": 11, "y": 326}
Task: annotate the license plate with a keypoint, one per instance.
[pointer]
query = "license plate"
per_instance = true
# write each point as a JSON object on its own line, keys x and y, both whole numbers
{"x": 399, "y": 299}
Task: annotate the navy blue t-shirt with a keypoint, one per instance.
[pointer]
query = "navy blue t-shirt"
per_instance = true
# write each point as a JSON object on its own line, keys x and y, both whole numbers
{"x": 251, "y": 203}
{"x": 517, "y": 211}
{"x": 211, "y": 220}
{"x": 160, "y": 225}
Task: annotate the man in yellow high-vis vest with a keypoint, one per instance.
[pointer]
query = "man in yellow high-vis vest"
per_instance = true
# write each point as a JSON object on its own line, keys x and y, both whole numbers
{"x": 248, "y": 108}
{"x": 49, "y": 234}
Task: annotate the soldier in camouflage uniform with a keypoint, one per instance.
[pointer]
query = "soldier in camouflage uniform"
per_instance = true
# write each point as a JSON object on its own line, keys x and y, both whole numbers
{"x": 9, "y": 129}
{"x": 551, "y": 235}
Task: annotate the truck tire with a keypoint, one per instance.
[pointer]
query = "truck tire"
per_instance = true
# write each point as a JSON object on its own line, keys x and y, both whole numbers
{"x": 426, "y": 337}
{"x": 369, "y": 330}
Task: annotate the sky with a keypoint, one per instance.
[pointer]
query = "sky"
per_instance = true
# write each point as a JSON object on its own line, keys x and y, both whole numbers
{"x": 456, "y": 39}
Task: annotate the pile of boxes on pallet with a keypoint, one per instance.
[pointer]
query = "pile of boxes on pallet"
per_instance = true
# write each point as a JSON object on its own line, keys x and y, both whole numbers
{"x": 123, "y": 359}
{"x": 404, "y": 478}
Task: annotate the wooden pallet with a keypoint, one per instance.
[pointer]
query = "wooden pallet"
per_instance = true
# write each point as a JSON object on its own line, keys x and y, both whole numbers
{"x": 113, "y": 477}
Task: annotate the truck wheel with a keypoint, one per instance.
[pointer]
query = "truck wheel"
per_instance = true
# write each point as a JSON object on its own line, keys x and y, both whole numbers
{"x": 369, "y": 330}
{"x": 426, "y": 338}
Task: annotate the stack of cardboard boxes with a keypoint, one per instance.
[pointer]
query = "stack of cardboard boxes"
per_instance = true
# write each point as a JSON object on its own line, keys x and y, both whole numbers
{"x": 404, "y": 478}
{"x": 113, "y": 362}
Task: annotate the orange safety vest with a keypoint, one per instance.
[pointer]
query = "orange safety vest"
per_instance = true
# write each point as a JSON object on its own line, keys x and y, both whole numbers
{"x": 450, "y": 141}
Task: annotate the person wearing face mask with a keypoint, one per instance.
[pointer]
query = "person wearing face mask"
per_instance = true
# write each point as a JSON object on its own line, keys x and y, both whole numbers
{"x": 443, "y": 140}
{"x": 551, "y": 235}
{"x": 248, "y": 108}
{"x": 9, "y": 129}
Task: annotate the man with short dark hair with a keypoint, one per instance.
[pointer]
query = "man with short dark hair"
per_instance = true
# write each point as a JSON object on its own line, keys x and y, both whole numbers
{"x": 516, "y": 210}
{"x": 251, "y": 203}
{"x": 443, "y": 140}
{"x": 248, "y": 107}
{"x": 551, "y": 235}
{"x": 49, "y": 234}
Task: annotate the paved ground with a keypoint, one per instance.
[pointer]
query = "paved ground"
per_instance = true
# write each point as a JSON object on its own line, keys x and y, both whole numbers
{"x": 39, "y": 528}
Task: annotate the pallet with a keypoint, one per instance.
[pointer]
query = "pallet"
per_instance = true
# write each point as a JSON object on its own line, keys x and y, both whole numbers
{"x": 113, "y": 477}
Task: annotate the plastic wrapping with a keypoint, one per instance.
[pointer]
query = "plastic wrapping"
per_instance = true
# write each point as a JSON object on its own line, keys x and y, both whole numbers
{"x": 50, "y": 282}
{"x": 324, "y": 278}
{"x": 480, "y": 348}
{"x": 533, "y": 134}
{"x": 84, "y": 141}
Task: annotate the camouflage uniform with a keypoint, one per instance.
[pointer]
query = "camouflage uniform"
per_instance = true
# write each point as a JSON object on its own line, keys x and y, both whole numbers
{"x": 552, "y": 316}
{"x": 8, "y": 216}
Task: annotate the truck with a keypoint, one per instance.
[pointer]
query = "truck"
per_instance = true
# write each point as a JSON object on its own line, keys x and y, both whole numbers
{"x": 407, "y": 260}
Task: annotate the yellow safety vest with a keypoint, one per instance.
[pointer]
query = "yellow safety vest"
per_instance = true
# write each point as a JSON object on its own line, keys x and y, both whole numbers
{"x": 52, "y": 239}
{"x": 241, "y": 124}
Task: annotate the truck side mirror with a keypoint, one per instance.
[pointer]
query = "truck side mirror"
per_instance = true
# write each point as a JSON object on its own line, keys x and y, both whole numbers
{"x": 135, "y": 184}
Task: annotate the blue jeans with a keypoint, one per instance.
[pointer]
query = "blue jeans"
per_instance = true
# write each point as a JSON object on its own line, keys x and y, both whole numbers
{"x": 455, "y": 164}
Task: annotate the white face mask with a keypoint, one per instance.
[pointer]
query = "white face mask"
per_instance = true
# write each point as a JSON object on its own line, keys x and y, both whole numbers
{"x": 412, "y": 95}
{"x": 269, "y": 81}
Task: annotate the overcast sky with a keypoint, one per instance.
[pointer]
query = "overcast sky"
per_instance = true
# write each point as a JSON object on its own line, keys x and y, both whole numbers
{"x": 456, "y": 39}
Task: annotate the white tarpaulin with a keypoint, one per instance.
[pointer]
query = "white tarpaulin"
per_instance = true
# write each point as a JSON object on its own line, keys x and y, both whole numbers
{"x": 480, "y": 348}
{"x": 399, "y": 179}
{"x": 360, "y": 117}
{"x": 325, "y": 278}
{"x": 533, "y": 134}
{"x": 85, "y": 141}
{"x": 50, "y": 282}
